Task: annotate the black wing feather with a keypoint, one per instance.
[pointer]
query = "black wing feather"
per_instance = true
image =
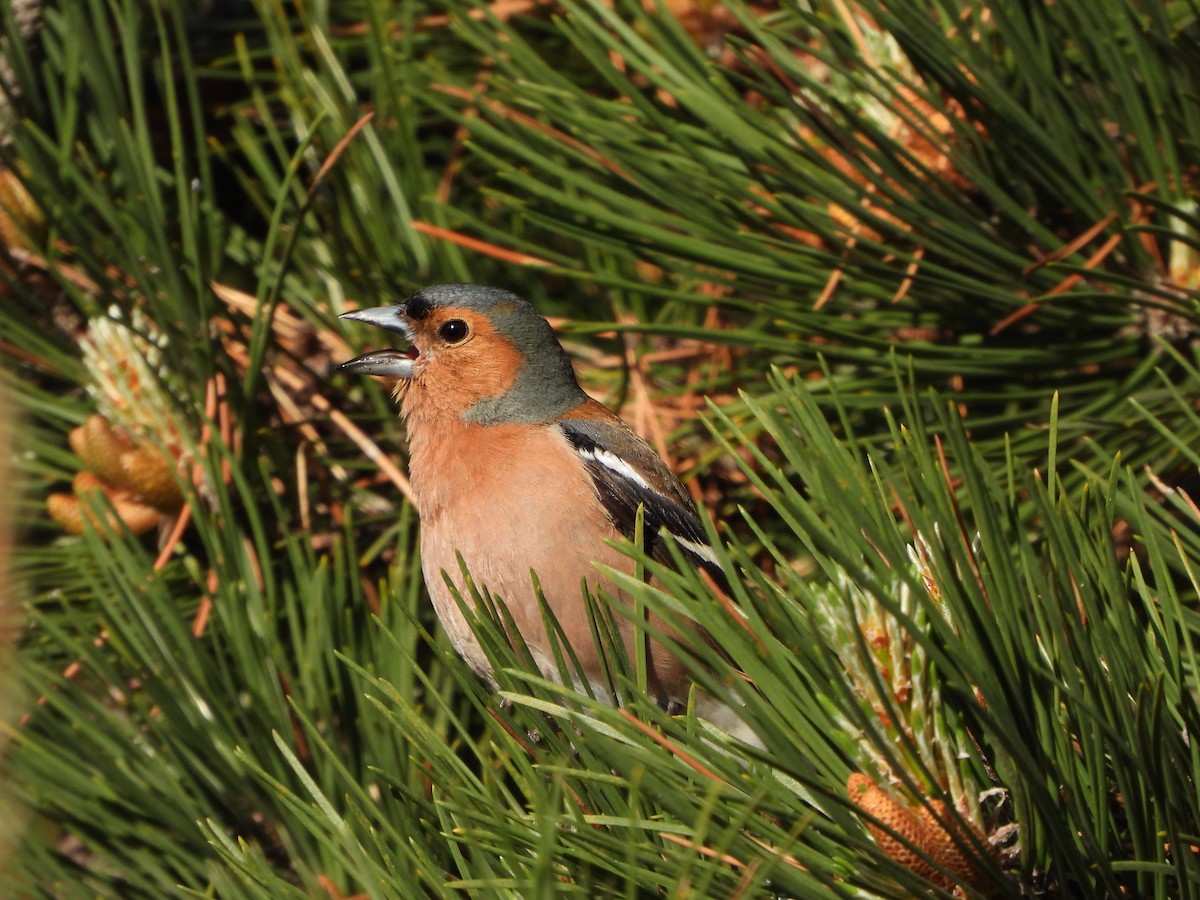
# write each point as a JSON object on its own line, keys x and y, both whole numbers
{"x": 621, "y": 497}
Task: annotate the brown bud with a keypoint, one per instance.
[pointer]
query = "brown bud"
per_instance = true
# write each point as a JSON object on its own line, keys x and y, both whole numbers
{"x": 142, "y": 472}
{"x": 100, "y": 446}
{"x": 149, "y": 476}
{"x": 920, "y": 829}
{"x": 69, "y": 513}
{"x": 64, "y": 510}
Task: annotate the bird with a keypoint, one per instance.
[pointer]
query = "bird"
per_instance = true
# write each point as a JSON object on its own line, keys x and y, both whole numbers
{"x": 515, "y": 468}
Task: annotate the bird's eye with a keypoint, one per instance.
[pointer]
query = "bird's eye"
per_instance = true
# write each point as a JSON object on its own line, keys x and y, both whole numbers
{"x": 453, "y": 331}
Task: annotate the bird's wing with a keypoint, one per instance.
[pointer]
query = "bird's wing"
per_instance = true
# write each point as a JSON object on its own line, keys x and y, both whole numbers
{"x": 627, "y": 474}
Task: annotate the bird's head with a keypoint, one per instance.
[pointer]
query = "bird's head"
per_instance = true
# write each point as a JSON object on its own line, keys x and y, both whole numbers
{"x": 476, "y": 352}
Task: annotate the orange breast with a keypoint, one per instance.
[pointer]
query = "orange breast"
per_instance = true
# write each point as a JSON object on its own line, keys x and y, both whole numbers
{"x": 511, "y": 499}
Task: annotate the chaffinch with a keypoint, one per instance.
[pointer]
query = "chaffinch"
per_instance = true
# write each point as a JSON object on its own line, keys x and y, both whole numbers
{"x": 516, "y": 468}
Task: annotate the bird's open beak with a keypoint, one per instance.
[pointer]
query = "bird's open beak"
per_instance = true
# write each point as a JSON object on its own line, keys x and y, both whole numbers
{"x": 397, "y": 363}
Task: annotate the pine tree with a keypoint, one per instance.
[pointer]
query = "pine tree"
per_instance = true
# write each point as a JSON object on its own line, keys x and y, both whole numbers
{"x": 906, "y": 291}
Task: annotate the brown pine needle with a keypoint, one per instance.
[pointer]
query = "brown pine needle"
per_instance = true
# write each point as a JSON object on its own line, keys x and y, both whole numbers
{"x": 338, "y": 149}
{"x": 671, "y": 747}
{"x": 508, "y": 112}
{"x": 480, "y": 246}
{"x": 368, "y": 447}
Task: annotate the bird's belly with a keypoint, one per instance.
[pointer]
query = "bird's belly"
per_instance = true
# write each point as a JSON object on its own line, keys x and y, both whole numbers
{"x": 501, "y": 543}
